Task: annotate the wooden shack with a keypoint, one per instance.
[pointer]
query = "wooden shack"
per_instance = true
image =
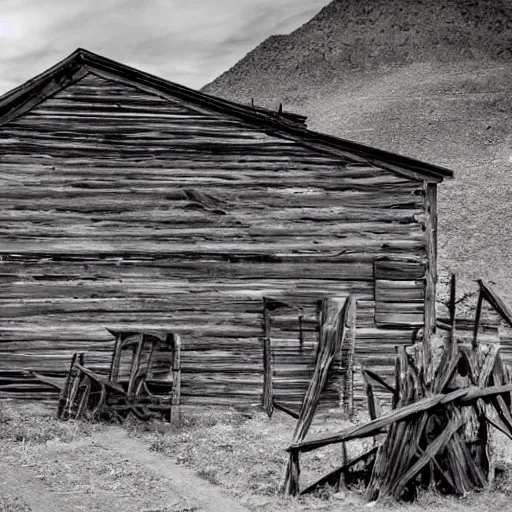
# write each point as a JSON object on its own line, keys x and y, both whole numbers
{"x": 128, "y": 201}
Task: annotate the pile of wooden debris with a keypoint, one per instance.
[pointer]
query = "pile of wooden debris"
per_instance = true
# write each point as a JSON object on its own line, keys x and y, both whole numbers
{"x": 438, "y": 431}
{"x": 437, "y": 434}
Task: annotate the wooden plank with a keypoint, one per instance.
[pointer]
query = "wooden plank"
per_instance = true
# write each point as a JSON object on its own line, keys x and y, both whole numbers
{"x": 287, "y": 410}
{"x": 464, "y": 396}
{"x": 398, "y": 270}
{"x": 267, "y": 398}
{"x": 176, "y": 381}
{"x": 347, "y": 361}
{"x": 334, "y": 318}
{"x": 69, "y": 74}
{"x": 373, "y": 408}
{"x": 452, "y": 340}
{"x": 496, "y": 302}
{"x": 431, "y": 271}
{"x": 333, "y": 476}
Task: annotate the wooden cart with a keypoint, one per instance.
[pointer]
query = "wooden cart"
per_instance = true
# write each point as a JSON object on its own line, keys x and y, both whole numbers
{"x": 144, "y": 378}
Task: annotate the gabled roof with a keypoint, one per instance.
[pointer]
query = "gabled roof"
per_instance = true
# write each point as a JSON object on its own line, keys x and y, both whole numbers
{"x": 287, "y": 125}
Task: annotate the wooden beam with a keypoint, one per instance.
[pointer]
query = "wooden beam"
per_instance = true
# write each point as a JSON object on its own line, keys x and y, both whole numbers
{"x": 334, "y": 314}
{"x": 280, "y": 407}
{"x": 452, "y": 342}
{"x": 478, "y": 315}
{"x": 176, "y": 382}
{"x": 496, "y": 302}
{"x": 373, "y": 378}
{"x": 116, "y": 356}
{"x": 136, "y": 358}
{"x": 373, "y": 408}
{"x": 431, "y": 270}
{"x": 465, "y": 396}
{"x": 63, "y": 397}
{"x": 27, "y": 100}
{"x": 332, "y": 334}
{"x": 348, "y": 350}
{"x": 268, "y": 390}
{"x": 332, "y": 476}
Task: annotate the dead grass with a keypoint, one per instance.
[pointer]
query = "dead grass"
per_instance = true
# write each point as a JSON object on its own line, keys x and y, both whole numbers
{"x": 13, "y": 504}
{"x": 72, "y": 466}
{"x": 243, "y": 452}
{"x": 31, "y": 423}
{"x": 240, "y": 451}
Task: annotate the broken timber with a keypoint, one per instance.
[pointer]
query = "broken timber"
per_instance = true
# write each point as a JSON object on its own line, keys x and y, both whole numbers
{"x": 335, "y": 314}
{"x": 438, "y": 433}
{"x": 149, "y": 385}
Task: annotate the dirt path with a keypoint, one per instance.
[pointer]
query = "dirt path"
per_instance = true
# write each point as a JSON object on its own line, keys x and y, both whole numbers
{"x": 108, "y": 471}
{"x": 182, "y": 481}
{"x": 25, "y": 491}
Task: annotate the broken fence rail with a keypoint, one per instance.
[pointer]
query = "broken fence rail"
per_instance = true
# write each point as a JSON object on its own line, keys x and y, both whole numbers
{"x": 464, "y": 396}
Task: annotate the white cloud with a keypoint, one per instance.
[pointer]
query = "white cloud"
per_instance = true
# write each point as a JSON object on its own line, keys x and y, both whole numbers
{"x": 190, "y": 42}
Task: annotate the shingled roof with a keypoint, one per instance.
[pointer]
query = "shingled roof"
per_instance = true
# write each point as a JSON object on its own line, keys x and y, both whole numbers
{"x": 284, "y": 124}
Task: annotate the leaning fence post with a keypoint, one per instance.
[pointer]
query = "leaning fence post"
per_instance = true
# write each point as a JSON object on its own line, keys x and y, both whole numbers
{"x": 291, "y": 485}
{"x": 452, "y": 305}
{"x": 478, "y": 314}
{"x": 268, "y": 391}
{"x": 334, "y": 315}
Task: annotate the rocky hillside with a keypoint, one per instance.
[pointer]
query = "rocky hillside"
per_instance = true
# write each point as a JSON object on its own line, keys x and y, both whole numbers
{"x": 432, "y": 80}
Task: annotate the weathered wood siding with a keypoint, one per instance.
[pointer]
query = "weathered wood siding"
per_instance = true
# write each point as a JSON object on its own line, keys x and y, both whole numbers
{"x": 123, "y": 209}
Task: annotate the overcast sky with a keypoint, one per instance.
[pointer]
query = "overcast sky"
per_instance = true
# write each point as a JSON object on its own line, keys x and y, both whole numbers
{"x": 185, "y": 41}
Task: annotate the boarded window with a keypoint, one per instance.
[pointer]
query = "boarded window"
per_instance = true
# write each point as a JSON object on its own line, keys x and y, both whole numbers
{"x": 399, "y": 293}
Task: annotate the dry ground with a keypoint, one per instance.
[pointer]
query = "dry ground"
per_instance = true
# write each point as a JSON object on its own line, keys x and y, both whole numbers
{"x": 218, "y": 460}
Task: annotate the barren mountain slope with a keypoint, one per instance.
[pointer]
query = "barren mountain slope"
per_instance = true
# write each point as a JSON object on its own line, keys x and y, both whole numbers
{"x": 432, "y": 80}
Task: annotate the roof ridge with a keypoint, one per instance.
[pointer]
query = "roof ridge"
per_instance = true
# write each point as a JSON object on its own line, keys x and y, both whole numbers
{"x": 81, "y": 59}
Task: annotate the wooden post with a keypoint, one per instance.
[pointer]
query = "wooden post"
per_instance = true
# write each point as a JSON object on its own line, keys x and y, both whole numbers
{"x": 176, "y": 382}
{"x": 431, "y": 270}
{"x": 137, "y": 351}
{"x": 63, "y": 397}
{"x": 332, "y": 333}
{"x": 372, "y": 404}
{"x": 301, "y": 330}
{"x": 292, "y": 482}
{"x": 478, "y": 314}
{"x": 341, "y": 484}
{"x": 268, "y": 390}
{"x": 348, "y": 354}
{"x": 82, "y": 406}
{"x": 70, "y": 401}
{"x": 452, "y": 311}
{"x": 496, "y": 303}
{"x": 280, "y": 407}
